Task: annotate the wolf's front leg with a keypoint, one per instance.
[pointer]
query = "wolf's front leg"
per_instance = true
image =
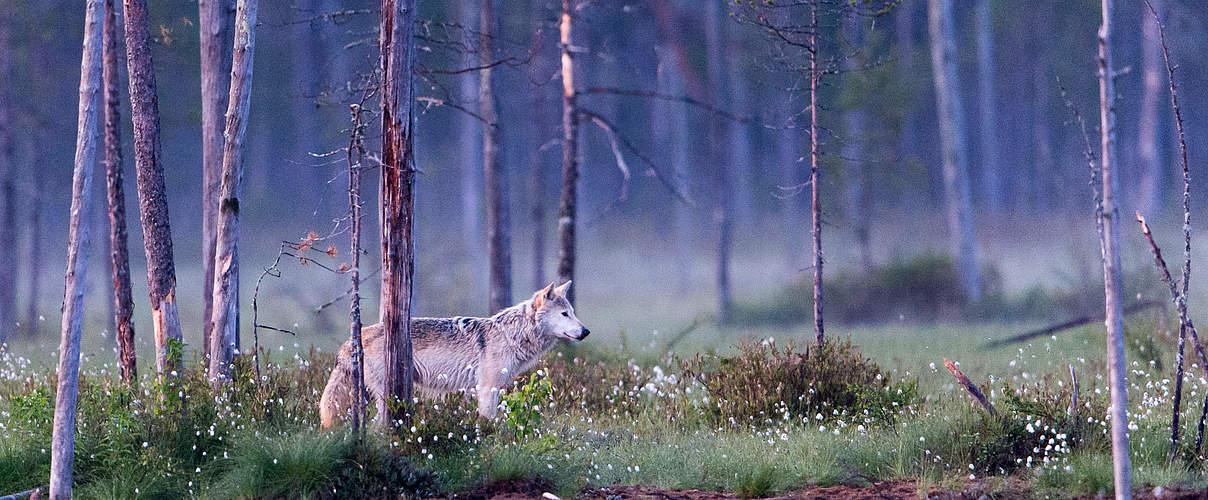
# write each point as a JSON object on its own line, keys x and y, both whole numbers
{"x": 490, "y": 380}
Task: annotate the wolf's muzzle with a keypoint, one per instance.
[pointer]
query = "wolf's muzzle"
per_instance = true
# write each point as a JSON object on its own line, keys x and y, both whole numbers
{"x": 583, "y": 334}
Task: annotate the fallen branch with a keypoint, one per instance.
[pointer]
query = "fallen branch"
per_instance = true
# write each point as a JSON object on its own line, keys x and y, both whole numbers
{"x": 970, "y": 386}
{"x": 1073, "y": 323}
{"x": 31, "y": 494}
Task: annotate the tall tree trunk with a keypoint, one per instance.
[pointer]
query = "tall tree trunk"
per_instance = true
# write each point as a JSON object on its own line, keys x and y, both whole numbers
{"x": 355, "y": 156}
{"x": 469, "y": 130}
{"x": 224, "y": 338}
{"x": 952, "y": 134}
{"x": 815, "y": 152}
{"x": 986, "y": 107}
{"x": 152, "y": 197}
{"x": 567, "y": 203}
{"x": 739, "y": 158}
{"x": 538, "y": 158}
{"x": 1148, "y": 195}
{"x": 669, "y": 122}
{"x": 714, "y": 43}
{"x": 8, "y": 267}
{"x": 1113, "y": 300}
{"x": 859, "y": 201}
{"x": 123, "y": 301}
{"x": 1042, "y": 165}
{"x": 397, "y": 204}
{"x": 62, "y": 452}
{"x": 215, "y": 21}
{"x": 33, "y": 264}
{"x": 495, "y": 175}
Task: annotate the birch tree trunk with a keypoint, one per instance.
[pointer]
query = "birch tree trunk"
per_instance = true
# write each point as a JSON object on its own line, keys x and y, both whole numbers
{"x": 1116, "y": 368}
{"x": 568, "y": 201}
{"x": 815, "y": 152}
{"x": 986, "y": 108}
{"x": 1148, "y": 195}
{"x": 215, "y": 22}
{"x": 714, "y": 43}
{"x": 224, "y": 338}
{"x": 152, "y": 197}
{"x": 62, "y": 452}
{"x": 397, "y": 204}
{"x": 8, "y": 269}
{"x": 952, "y": 136}
{"x": 119, "y": 256}
{"x": 495, "y": 175}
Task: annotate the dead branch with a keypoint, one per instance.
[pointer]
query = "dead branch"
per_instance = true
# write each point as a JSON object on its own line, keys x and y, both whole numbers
{"x": 672, "y": 98}
{"x": 1175, "y": 296}
{"x": 1073, "y": 392}
{"x": 651, "y": 169}
{"x": 30, "y": 494}
{"x": 1073, "y": 323}
{"x": 970, "y": 386}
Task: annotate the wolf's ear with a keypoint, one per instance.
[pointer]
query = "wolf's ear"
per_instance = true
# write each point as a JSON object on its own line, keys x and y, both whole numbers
{"x": 561, "y": 289}
{"x": 543, "y": 295}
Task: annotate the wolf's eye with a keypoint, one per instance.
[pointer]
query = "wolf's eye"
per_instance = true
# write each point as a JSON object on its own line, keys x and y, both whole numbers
{"x": 564, "y": 314}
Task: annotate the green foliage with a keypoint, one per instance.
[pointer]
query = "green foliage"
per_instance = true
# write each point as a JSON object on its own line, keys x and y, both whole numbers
{"x": 524, "y": 404}
{"x": 757, "y": 483}
{"x": 764, "y": 383}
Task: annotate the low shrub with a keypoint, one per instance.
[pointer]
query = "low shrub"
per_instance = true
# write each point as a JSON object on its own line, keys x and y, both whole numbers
{"x": 764, "y": 383}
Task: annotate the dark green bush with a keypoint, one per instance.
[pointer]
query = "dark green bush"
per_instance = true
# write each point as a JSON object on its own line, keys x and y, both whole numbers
{"x": 764, "y": 383}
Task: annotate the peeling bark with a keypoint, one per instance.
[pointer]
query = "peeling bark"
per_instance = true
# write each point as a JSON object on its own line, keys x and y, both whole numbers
{"x": 62, "y": 453}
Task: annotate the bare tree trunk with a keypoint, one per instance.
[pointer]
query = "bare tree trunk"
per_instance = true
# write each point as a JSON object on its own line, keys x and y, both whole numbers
{"x": 215, "y": 19}
{"x": 356, "y": 153}
{"x": 62, "y": 452}
{"x": 225, "y": 322}
{"x": 538, "y": 157}
{"x": 669, "y": 122}
{"x": 34, "y": 266}
{"x": 859, "y": 201}
{"x": 567, "y": 204}
{"x": 1041, "y": 174}
{"x": 495, "y": 175}
{"x": 739, "y": 134}
{"x": 1148, "y": 195}
{"x": 123, "y": 301}
{"x": 1116, "y": 366}
{"x": 469, "y": 130}
{"x": 952, "y": 135}
{"x": 714, "y": 43}
{"x": 992, "y": 191}
{"x": 8, "y": 267}
{"x": 815, "y": 152}
{"x": 152, "y": 197}
{"x": 397, "y": 204}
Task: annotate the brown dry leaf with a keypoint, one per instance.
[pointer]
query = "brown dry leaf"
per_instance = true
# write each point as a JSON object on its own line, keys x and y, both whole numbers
{"x": 332, "y": 252}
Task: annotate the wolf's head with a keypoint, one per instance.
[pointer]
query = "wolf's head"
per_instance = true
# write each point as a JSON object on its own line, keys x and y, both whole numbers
{"x": 555, "y": 315}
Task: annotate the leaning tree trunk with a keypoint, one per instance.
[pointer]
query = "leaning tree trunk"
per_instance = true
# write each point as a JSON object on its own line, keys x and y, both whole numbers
{"x": 986, "y": 108}
{"x": 952, "y": 136}
{"x": 495, "y": 175}
{"x": 224, "y": 338}
{"x": 715, "y": 43}
{"x": 152, "y": 197}
{"x": 1116, "y": 368}
{"x": 1147, "y": 195}
{"x": 568, "y": 201}
{"x": 8, "y": 270}
{"x": 215, "y": 20}
{"x": 397, "y": 204}
{"x": 62, "y": 451}
{"x": 123, "y": 301}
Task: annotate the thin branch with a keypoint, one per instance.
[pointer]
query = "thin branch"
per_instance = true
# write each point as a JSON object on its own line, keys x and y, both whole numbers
{"x": 669, "y": 97}
{"x": 651, "y": 170}
{"x": 970, "y": 386}
{"x": 1175, "y": 296}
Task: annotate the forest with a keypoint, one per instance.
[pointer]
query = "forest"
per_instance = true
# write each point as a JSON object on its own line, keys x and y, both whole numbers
{"x": 685, "y": 249}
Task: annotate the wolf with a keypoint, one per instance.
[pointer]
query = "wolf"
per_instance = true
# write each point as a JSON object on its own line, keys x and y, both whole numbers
{"x": 461, "y": 353}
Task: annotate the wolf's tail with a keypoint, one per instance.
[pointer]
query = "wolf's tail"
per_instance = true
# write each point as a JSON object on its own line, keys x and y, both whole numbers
{"x": 336, "y": 402}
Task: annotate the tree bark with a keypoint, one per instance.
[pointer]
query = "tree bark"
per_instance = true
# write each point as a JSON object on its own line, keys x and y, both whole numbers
{"x": 992, "y": 194}
{"x": 568, "y": 201}
{"x": 952, "y": 135}
{"x": 119, "y": 256}
{"x": 355, "y": 156}
{"x": 714, "y": 43}
{"x": 62, "y": 451}
{"x": 215, "y": 22}
{"x": 669, "y": 122}
{"x": 495, "y": 175}
{"x": 225, "y": 322}
{"x": 8, "y": 267}
{"x": 1113, "y": 301}
{"x": 152, "y": 197}
{"x": 815, "y": 152}
{"x": 538, "y": 158}
{"x": 1148, "y": 195}
{"x": 469, "y": 131}
{"x": 397, "y": 204}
